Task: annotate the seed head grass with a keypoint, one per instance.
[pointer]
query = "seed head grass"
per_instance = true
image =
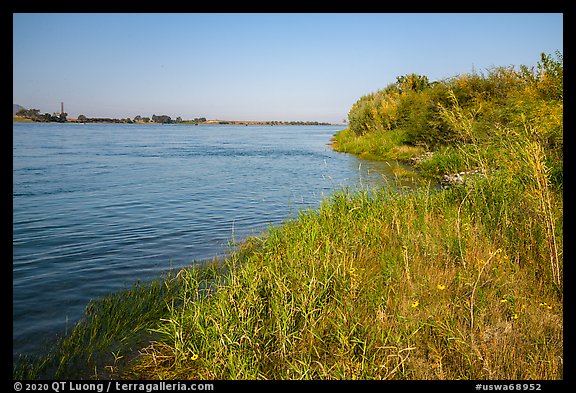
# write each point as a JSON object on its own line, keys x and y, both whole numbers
{"x": 464, "y": 282}
{"x": 376, "y": 284}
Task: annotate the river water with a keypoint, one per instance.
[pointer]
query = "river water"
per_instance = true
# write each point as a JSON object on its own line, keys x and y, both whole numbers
{"x": 97, "y": 207}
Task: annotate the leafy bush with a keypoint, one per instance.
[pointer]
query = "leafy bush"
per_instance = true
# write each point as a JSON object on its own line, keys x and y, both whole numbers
{"x": 432, "y": 114}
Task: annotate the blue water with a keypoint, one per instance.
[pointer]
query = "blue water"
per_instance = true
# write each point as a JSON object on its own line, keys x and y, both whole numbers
{"x": 97, "y": 207}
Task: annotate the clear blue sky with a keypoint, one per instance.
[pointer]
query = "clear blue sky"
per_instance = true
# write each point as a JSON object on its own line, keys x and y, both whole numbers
{"x": 255, "y": 66}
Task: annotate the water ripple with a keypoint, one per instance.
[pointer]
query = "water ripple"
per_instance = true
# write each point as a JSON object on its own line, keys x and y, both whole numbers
{"x": 97, "y": 207}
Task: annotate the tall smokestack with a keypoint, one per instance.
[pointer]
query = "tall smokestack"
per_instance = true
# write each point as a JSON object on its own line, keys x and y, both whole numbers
{"x": 61, "y": 108}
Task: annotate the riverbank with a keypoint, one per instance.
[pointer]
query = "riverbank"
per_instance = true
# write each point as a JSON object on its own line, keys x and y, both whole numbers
{"x": 454, "y": 284}
{"x": 460, "y": 283}
{"x": 374, "y": 284}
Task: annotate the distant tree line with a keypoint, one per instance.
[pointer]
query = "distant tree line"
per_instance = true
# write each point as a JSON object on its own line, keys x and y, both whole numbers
{"x": 164, "y": 119}
{"x": 84, "y": 119}
{"x": 35, "y": 115}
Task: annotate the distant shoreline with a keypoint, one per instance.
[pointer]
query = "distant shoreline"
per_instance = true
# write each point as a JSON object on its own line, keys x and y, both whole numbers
{"x": 21, "y": 119}
{"x": 266, "y": 122}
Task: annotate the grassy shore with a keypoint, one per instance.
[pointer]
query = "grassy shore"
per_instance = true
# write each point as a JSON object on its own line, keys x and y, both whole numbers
{"x": 460, "y": 283}
{"x": 374, "y": 284}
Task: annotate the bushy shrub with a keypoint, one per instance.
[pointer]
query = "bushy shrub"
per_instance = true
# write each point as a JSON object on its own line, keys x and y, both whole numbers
{"x": 485, "y": 102}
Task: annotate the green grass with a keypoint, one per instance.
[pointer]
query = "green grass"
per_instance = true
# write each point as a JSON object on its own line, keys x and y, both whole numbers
{"x": 113, "y": 328}
{"x": 376, "y": 146}
{"x": 375, "y": 284}
{"x": 462, "y": 283}
{"x": 386, "y": 283}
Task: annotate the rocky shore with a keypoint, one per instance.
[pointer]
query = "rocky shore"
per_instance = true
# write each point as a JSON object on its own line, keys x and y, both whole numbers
{"x": 449, "y": 179}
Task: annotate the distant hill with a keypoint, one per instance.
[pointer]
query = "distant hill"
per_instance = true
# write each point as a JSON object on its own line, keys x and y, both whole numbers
{"x": 16, "y": 108}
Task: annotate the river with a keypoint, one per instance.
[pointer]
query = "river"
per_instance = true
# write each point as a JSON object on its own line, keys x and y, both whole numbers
{"x": 97, "y": 207}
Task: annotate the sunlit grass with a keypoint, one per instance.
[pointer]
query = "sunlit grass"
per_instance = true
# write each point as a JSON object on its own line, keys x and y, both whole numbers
{"x": 461, "y": 283}
{"x": 386, "y": 283}
{"x": 373, "y": 285}
{"x": 376, "y": 146}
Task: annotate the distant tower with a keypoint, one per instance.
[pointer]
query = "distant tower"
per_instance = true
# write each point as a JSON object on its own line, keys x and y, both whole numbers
{"x": 61, "y": 108}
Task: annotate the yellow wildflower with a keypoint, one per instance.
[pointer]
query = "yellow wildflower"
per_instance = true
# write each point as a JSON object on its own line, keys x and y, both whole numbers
{"x": 503, "y": 300}
{"x": 194, "y": 357}
{"x": 514, "y": 316}
{"x": 415, "y": 304}
{"x": 441, "y": 287}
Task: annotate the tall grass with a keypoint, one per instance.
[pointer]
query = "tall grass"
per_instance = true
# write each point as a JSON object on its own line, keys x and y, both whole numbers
{"x": 376, "y": 146}
{"x": 387, "y": 283}
{"x": 464, "y": 283}
{"x": 375, "y": 284}
{"x": 112, "y": 330}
